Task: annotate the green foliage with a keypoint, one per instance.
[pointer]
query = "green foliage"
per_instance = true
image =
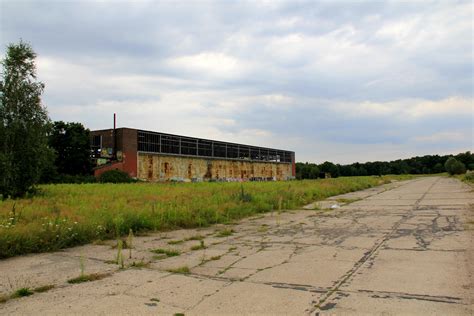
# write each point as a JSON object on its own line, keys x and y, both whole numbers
{"x": 469, "y": 177}
{"x": 180, "y": 270}
{"x": 71, "y": 144}
{"x": 66, "y": 215}
{"x": 115, "y": 176}
{"x": 225, "y": 233}
{"x": 417, "y": 165}
{"x": 200, "y": 246}
{"x": 244, "y": 196}
{"x": 167, "y": 252}
{"x": 88, "y": 278}
{"x": 24, "y": 123}
{"x": 453, "y": 166}
{"x": 24, "y": 291}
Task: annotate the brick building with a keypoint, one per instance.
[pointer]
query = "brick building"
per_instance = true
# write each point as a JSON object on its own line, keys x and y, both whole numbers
{"x": 157, "y": 156}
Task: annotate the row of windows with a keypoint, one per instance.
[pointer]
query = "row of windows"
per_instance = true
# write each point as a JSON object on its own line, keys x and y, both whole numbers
{"x": 180, "y": 145}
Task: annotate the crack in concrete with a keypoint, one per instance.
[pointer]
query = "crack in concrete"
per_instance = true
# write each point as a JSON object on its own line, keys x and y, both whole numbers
{"x": 368, "y": 254}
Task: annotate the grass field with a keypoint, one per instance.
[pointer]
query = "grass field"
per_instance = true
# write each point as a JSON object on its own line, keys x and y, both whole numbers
{"x": 66, "y": 215}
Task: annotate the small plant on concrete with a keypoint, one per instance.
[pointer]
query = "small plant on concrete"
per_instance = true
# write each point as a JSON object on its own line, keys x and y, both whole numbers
{"x": 279, "y": 211}
{"x": 130, "y": 243}
{"x": 119, "y": 258}
{"x": 225, "y": 233}
{"x": 82, "y": 265}
{"x": 43, "y": 288}
{"x": 180, "y": 270}
{"x": 24, "y": 291}
{"x": 88, "y": 278}
{"x": 167, "y": 252}
{"x": 175, "y": 242}
{"x": 195, "y": 237}
{"x": 3, "y": 298}
{"x": 200, "y": 246}
{"x": 140, "y": 264}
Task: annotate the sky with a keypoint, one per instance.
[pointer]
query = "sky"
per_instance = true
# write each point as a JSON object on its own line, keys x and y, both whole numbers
{"x": 342, "y": 81}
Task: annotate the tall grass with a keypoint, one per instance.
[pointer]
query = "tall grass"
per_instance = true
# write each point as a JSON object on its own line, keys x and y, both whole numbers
{"x": 65, "y": 215}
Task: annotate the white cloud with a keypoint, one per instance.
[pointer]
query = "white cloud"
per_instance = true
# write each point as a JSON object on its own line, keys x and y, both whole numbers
{"x": 212, "y": 64}
{"x": 339, "y": 81}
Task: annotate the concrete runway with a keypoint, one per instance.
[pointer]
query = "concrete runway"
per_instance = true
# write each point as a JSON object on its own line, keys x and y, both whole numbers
{"x": 402, "y": 248}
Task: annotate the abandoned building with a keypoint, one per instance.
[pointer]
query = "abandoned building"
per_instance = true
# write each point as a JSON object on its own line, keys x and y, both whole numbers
{"x": 154, "y": 156}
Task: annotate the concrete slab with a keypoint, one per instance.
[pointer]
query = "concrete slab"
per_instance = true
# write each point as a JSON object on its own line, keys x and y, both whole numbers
{"x": 405, "y": 248}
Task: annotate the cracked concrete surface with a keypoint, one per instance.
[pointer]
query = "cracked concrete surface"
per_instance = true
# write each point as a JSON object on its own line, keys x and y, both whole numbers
{"x": 402, "y": 248}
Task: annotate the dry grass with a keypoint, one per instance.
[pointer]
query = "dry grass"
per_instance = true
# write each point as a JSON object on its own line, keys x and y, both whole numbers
{"x": 66, "y": 215}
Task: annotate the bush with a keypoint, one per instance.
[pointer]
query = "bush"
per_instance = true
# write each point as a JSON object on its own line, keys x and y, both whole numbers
{"x": 115, "y": 176}
{"x": 469, "y": 177}
{"x": 454, "y": 166}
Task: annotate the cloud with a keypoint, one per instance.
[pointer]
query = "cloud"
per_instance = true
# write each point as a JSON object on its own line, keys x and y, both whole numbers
{"x": 340, "y": 81}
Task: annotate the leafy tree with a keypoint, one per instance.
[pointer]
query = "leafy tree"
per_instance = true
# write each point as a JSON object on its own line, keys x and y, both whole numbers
{"x": 439, "y": 168}
{"x": 454, "y": 166}
{"x": 71, "y": 143}
{"x": 24, "y": 123}
{"x": 330, "y": 168}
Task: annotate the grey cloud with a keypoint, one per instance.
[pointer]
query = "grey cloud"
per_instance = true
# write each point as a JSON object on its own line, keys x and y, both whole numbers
{"x": 124, "y": 49}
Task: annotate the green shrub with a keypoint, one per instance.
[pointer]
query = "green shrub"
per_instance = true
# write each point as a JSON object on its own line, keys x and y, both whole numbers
{"x": 115, "y": 176}
{"x": 469, "y": 177}
{"x": 454, "y": 166}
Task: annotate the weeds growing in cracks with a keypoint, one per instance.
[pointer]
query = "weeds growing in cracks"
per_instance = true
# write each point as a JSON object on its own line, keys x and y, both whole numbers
{"x": 130, "y": 242}
{"x": 48, "y": 222}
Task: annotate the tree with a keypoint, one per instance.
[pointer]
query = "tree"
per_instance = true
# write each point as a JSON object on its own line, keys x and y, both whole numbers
{"x": 454, "y": 166}
{"x": 71, "y": 144}
{"x": 24, "y": 123}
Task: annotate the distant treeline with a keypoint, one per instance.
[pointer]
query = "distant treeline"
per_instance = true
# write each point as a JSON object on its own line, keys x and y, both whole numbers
{"x": 417, "y": 165}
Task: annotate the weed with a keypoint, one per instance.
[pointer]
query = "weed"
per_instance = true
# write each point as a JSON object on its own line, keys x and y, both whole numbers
{"x": 195, "y": 237}
{"x": 225, "y": 233}
{"x": 178, "y": 314}
{"x": 24, "y": 291}
{"x": 3, "y": 298}
{"x": 348, "y": 201}
{"x": 119, "y": 258}
{"x": 200, "y": 246}
{"x": 232, "y": 249}
{"x": 175, "y": 242}
{"x": 167, "y": 252}
{"x": 263, "y": 228}
{"x": 180, "y": 270}
{"x": 130, "y": 242}
{"x": 43, "y": 288}
{"x": 140, "y": 264}
{"x": 244, "y": 197}
{"x": 82, "y": 264}
{"x": 88, "y": 278}
{"x": 215, "y": 258}
{"x": 154, "y": 300}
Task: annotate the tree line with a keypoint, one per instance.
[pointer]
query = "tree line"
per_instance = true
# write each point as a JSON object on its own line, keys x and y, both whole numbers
{"x": 429, "y": 164}
{"x": 33, "y": 149}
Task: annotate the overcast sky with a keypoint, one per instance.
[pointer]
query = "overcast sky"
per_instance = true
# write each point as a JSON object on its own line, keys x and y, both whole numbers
{"x": 342, "y": 81}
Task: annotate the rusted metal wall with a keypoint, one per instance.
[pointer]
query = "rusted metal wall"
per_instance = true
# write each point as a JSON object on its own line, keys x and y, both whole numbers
{"x": 156, "y": 167}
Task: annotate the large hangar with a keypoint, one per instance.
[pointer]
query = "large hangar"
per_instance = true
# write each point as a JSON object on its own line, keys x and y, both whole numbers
{"x": 155, "y": 156}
